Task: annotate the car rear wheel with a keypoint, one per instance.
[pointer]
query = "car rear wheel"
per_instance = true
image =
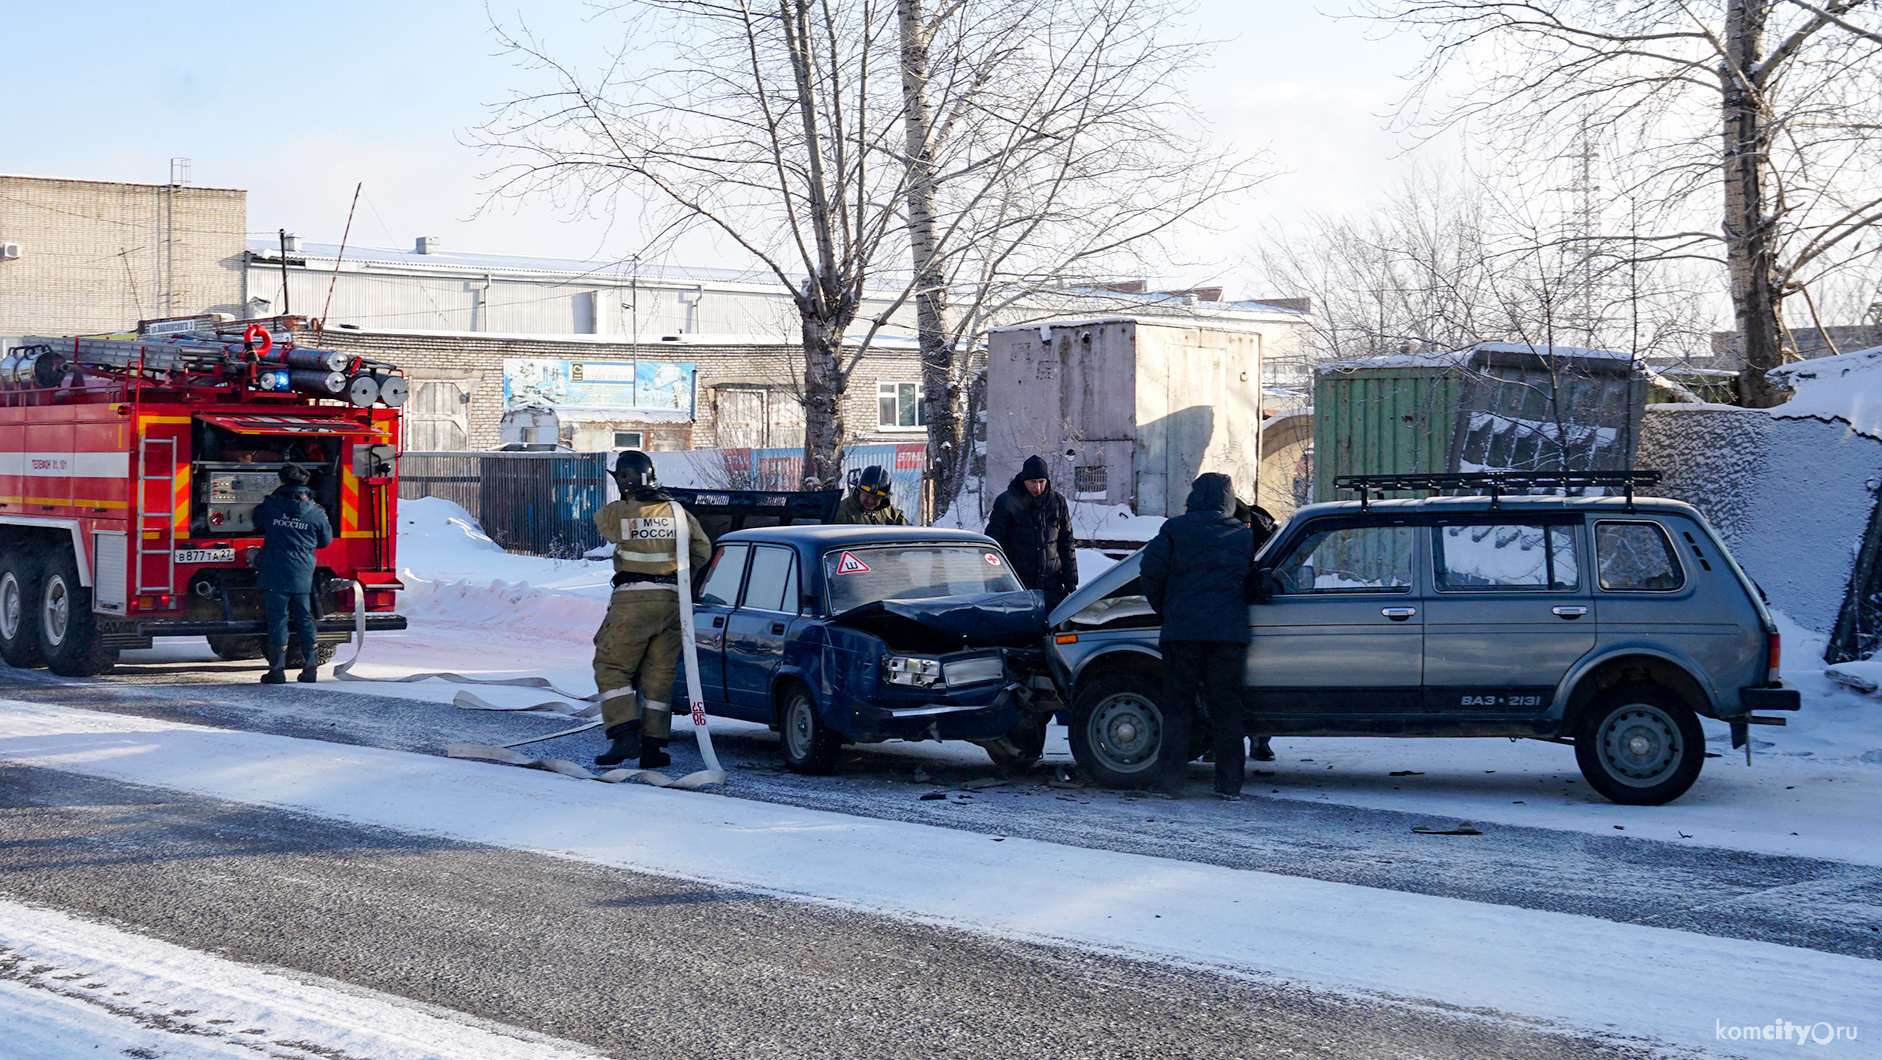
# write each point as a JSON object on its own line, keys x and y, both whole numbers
{"x": 21, "y": 568}
{"x": 1640, "y": 744}
{"x": 66, "y": 623}
{"x": 810, "y": 746}
{"x": 1117, "y": 730}
{"x": 233, "y": 647}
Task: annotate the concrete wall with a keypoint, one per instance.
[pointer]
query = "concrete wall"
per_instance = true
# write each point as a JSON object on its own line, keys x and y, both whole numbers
{"x": 98, "y": 256}
{"x": 1790, "y": 497}
{"x": 1141, "y": 406}
{"x": 466, "y": 403}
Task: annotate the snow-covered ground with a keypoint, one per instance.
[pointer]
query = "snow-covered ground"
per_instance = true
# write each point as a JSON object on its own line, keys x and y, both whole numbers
{"x": 1561, "y": 969}
{"x": 484, "y": 614}
{"x": 1811, "y": 789}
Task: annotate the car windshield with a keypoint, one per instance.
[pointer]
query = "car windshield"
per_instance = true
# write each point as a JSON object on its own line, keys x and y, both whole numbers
{"x": 858, "y": 576}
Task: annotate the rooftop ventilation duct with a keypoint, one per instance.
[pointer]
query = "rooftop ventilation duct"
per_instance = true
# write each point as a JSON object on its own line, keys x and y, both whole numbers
{"x": 427, "y": 245}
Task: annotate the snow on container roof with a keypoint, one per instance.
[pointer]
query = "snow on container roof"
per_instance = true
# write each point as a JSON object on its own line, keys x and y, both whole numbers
{"x": 1846, "y": 387}
{"x": 1493, "y": 353}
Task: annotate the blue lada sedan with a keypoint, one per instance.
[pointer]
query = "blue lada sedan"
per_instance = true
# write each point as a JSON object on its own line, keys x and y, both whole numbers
{"x": 840, "y": 634}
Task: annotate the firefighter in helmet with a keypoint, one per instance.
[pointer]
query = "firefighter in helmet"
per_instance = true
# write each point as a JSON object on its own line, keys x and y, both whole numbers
{"x": 637, "y": 648}
{"x": 869, "y": 501}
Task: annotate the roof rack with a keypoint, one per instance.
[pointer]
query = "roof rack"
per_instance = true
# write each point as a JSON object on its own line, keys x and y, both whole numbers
{"x": 1492, "y": 484}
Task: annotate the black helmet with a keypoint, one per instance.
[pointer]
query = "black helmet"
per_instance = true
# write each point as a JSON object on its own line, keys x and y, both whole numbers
{"x": 634, "y": 469}
{"x": 874, "y": 480}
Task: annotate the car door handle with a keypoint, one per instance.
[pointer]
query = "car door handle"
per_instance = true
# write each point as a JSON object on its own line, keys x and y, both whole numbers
{"x": 1398, "y": 614}
{"x": 777, "y": 629}
{"x": 1570, "y": 612}
{"x": 718, "y": 622}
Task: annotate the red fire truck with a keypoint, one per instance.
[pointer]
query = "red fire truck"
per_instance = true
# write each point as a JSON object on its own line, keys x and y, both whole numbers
{"x": 130, "y": 466}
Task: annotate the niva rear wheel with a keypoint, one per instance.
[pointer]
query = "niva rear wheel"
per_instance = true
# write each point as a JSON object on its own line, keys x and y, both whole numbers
{"x": 1640, "y": 744}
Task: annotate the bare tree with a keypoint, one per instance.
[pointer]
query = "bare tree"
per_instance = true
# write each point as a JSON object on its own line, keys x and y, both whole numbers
{"x": 1048, "y": 149}
{"x": 964, "y": 156}
{"x": 1448, "y": 261}
{"x": 1787, "y": 88}
{"x": 761, "y": 124}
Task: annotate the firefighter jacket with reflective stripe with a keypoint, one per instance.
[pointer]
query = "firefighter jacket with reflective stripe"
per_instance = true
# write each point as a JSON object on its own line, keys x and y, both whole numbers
{"x": 645, "y": 529}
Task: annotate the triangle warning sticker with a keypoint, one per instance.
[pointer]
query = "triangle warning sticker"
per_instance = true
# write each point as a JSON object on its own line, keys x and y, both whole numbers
{"x": 849, "y": 564}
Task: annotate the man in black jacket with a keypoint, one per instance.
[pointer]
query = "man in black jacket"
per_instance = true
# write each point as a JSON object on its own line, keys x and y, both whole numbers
{"x": 293, "y": 528}
{"x": 1195, "y": 574}
{"x": 1033, "y": 525}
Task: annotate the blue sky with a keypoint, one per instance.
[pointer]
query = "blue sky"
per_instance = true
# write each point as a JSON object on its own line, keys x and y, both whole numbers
{"x": 298, "y": 102}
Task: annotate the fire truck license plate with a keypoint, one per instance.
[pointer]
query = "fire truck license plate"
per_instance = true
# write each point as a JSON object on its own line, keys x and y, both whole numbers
{"x": 205, "y": 555}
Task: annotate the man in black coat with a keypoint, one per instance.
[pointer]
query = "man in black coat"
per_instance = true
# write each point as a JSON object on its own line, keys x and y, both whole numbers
{"x": 293, "y": 528}
{"x": 1195, "y": 574}
{"x": 1033, "y": 525}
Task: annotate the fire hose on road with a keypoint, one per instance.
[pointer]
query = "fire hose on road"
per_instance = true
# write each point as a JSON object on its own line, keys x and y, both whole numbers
{"x": 714, "y": 773}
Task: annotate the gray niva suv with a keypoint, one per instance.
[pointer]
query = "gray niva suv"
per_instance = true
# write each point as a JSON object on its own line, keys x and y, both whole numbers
{"x": 1609, "y": 623}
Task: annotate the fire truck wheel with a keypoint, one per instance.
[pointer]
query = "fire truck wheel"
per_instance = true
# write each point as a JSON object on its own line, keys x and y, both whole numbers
{"x": 20, "y": 572}
{"x": 66, "y": 624}
{"x": 232, "y": 648}
{"x": 323, "y": 654}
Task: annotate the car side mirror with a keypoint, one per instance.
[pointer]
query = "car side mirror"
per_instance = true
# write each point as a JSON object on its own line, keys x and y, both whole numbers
{"x": 1261, "y": 589}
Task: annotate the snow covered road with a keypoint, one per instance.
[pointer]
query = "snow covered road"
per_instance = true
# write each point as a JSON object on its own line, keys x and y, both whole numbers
{"x": 1577, "y": 972}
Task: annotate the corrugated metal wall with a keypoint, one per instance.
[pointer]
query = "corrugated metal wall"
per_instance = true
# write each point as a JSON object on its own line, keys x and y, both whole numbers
{"x": 1381, "y": 421}
{"x": 537, "y": 504}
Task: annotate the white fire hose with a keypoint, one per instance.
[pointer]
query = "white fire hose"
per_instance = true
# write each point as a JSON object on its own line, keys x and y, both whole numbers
{"x": 714, "y": 773}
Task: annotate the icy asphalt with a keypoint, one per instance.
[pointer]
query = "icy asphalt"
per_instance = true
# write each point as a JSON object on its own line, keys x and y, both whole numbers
{"x": 1820, "y": 904}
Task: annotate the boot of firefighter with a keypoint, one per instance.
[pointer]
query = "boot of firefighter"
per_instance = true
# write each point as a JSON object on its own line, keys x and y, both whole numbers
{"x": 624, "y": 743}
{"x": 653, "y": 752}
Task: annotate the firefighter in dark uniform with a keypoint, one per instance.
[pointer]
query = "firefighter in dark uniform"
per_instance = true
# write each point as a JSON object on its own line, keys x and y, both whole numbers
{"x": 869, "y": 502}
{"x": 293, "y": 528}
{"x": 637, "y": 648}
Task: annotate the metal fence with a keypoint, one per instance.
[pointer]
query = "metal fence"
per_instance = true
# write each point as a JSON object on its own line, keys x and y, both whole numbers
{"x": 537, "y": 504}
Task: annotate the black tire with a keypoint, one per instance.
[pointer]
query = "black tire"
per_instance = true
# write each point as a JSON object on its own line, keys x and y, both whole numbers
{"x": 810, "y": 746}
{"x": 1023, "y": 745}
{"x": 1640, "y": 744}
{"x": 1117, "y": 730}
{"x": 234, "y": 647}
{"x": 67, "y": 627}
{"x": 323, "y": 654}
{"x": 21, "y": 569}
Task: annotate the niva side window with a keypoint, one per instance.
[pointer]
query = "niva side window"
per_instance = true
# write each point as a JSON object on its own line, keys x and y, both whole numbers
{"x": 1353, "y": 559}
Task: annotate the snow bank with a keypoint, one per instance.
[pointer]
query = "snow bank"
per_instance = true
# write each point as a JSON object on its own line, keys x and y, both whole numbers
{"x": 453, "y": 572}
{"x": 1846, "y": 388}
{"x": 1791, "y": 495}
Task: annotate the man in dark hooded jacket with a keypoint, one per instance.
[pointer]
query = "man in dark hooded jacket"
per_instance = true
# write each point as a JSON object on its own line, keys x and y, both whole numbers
{"x": 1195, "y": 574}
{"x": 1033, "y": 525}
{"x": 293, "y": 528}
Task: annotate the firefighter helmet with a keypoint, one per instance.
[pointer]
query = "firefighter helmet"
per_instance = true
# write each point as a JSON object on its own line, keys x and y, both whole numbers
{"x": 633, "y": 469}
{"x": 874, "y": 480}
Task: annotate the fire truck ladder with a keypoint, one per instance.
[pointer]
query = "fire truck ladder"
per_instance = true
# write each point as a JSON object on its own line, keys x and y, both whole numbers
{"x": 166, "y": 527}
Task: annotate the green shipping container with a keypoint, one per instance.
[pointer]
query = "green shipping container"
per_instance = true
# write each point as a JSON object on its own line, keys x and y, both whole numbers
{"x": 1384, "y": 420}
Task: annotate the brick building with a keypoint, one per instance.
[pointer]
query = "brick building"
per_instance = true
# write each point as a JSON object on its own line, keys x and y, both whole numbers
{"x": 82, "y": 256}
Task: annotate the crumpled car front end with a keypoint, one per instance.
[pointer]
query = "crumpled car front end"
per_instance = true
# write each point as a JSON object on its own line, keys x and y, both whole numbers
{"x": 963, "y": 668}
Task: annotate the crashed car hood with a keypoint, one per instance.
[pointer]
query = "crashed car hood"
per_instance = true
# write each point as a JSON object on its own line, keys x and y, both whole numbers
{"x": 993, "y": 620}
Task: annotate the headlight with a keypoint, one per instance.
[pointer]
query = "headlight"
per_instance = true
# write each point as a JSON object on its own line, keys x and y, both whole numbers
{"x": 975, "y": 671}
{"x": 905, "y": 670}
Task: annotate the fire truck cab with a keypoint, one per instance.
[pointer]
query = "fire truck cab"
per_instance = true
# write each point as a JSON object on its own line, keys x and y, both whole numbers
{"x": 130, "y": 469}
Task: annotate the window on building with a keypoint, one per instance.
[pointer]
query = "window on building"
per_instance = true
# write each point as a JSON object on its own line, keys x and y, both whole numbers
{"x": 1091, "y": 478}
{"x": 900, "y": 406}
{"x": 437, "y": 418}
{"x": 628, "y": 440}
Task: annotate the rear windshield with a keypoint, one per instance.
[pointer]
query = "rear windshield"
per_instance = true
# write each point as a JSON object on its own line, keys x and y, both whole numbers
{"x": 858, "y": 576}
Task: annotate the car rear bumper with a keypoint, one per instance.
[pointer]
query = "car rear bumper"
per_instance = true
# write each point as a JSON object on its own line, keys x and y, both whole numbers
{"x": 1770, "y": 697}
